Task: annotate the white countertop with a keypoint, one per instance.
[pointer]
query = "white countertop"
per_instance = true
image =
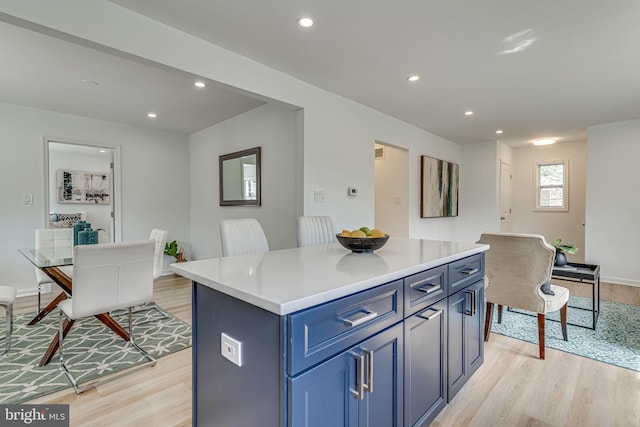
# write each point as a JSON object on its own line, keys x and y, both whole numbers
{"x": 288, "y": 280}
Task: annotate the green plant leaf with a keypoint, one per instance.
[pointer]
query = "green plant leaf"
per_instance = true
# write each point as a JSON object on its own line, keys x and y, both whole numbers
{"x": 171, "y": 248}
{"x": 560, "y": 247}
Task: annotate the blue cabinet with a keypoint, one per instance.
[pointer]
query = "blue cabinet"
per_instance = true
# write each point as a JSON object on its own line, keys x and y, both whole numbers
{"x": 425, "y": 364}
{"x": 390, "y": 356}
{"x": 360, "y": 387}
{"x": 466, "y": 335}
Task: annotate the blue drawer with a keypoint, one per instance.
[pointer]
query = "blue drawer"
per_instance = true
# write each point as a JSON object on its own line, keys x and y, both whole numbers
{"x": 323, "y": 331}
{"x": 424, "y": 288}
{"x": 465, "y": 272}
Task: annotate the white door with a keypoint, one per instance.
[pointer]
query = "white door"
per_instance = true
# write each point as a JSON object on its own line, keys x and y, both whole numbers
{"x": 505, "y": 197}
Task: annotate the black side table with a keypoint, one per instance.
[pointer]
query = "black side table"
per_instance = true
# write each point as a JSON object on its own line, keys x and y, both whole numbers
{"x": 583, "y": 273}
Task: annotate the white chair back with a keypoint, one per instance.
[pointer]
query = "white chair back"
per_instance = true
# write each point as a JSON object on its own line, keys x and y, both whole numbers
{"x": 242, "y": 236}
{"x": 315, "y": 230}
{"x": 51, "y": 238}
{"x": 160, "y": 238}
{"x": 47, "y": 238}
{"x": 110, "y": 276}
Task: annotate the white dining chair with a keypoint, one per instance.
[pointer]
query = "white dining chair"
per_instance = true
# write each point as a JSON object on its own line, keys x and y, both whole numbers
{"x": 107, "y": 277}
{"x": 315, "y": 230}
{"x": 242, "y": 236}
{"x": 51, "y": 238}
{"x": 7, "y": 297}
{"x": 160, "y": 238}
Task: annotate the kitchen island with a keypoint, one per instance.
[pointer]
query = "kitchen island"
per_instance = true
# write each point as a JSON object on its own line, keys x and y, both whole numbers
{"x": 289, "y": 337}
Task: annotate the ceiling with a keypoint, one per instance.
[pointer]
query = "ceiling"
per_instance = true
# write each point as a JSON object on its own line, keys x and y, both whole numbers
{"x": 53, "y": 74}
{"x": 530, "y": 68}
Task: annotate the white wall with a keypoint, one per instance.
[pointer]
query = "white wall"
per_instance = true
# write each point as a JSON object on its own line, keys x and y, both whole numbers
{"x": 565, "y": 225}
{"x": 613, "y": 206}
{"x": 153, "y": 176}
{"x": 480, "y": 188}
{"x": 338, "y": 134}
{"x": 273, "y": 128}
{"x": 392, "y": 191}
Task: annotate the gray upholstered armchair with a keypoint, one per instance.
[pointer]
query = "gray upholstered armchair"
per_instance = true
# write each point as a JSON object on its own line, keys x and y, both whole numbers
{"x": 516, "y": 266}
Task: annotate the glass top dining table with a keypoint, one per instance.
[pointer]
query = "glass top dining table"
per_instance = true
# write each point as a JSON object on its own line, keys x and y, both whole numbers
{"x": 48, "y": 257}
{"x": 50, "y": 261}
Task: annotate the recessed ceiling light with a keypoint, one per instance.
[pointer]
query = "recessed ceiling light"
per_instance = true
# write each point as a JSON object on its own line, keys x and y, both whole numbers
{"x": 468, "y": 113}
{"x": 305, "y": 22}
{"x": 499, "y": 131}
{"x": 544, "y": 141}
{"x": 152, "y": 115}
{"x": 200, "y": 84}
{"x": 413, "y": 78}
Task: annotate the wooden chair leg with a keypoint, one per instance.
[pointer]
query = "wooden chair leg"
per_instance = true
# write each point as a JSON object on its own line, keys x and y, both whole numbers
{"x": 487, "y": 320}
{"x": 563, "y": 322}
{"x": 499, "y": 313}
{"x": 541, "y": 334}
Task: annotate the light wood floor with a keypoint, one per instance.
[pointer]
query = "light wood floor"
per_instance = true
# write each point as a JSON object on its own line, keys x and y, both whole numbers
{"x": 512, "y": 388}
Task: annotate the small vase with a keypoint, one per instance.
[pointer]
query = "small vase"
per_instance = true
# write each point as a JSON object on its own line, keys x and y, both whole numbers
{"x": 87, "y": 237}
{"x": 78, "y": 227}
{"x": 561, "y": 259}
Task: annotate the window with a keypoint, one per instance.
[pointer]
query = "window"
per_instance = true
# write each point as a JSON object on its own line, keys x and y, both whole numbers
{"x": 552, "y": 189}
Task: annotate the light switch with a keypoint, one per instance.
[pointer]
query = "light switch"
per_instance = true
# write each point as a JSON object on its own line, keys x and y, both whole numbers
{"x": 319, "y": 196}
{"x": 231, "y": 349}
{"x": 27, "y": 198}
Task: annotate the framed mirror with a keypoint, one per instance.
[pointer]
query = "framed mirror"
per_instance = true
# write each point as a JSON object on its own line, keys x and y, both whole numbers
{"x": 240, "y": 178}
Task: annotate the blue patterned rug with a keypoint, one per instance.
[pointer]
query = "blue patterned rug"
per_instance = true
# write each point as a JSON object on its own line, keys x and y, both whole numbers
{"x": 91, "y": 350}
{"x": 615, "y": 341}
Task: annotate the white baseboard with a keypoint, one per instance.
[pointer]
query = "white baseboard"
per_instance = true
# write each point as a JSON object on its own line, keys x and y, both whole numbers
{"x": 44, "y": 289}
{"x": 620, "y": 281}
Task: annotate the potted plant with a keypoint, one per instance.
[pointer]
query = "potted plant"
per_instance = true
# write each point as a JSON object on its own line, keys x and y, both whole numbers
{"x": 561, "y": 248}
{"x": 175, "y": 251}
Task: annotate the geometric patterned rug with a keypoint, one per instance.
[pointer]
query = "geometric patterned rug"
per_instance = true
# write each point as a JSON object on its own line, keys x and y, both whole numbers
{"x": 91, "y": 350}
{"x": 615, "y": 341}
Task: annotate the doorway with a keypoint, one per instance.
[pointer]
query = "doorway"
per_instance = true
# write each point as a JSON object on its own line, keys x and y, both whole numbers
{"x": 392, "y": 189}
{"x": 82, "y": 178}
{"x": 505, "y": 197}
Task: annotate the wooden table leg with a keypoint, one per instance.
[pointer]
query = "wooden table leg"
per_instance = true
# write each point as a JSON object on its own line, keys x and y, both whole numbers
{"x": 55, "y": 343}
{"x": 113, "y": 325}
{"x": 48, "y": 309}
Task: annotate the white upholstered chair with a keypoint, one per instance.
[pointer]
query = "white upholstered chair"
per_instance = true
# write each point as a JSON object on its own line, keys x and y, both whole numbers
{"x": 516, "y": 266}
{"x": 315, "y": 230}
{"x": 242, "y": 236}
{"x": 107, "y": 277}
{"x": 7, "y": 297}
{"x": 160, "y": 238}
{"x": 52, "y": 238}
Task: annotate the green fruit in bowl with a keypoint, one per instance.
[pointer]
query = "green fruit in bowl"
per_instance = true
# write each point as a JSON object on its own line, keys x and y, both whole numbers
{"x": 366, "y": 231}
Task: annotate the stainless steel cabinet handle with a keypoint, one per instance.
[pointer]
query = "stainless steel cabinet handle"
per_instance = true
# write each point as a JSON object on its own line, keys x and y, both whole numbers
{"x": 469, "y": 271}
{"x": 369, "y": 385}
{"x": 428, "y": 288}
{"x": 358, "y": 392}
{"x": 369, "y": 315}
{"x": 472, "y": 310}
{"x": 432, "y": 316}
{"x": 474, "y": 302}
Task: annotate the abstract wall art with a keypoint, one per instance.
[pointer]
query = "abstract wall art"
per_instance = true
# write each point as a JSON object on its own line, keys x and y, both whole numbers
{"x": 82, "y": 187}
{"x": 438, "y": 188}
